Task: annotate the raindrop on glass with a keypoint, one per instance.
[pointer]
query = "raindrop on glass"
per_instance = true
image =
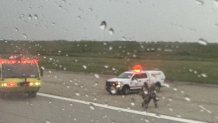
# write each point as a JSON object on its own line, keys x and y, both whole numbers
{"x": 123, "y": 38}
{"x": 97, "y": 76}
{"x": 24, "y": 36}
{"x": 110, "y": 48}
{"x": 30, "y": 17}
{"x": 204, "y": 75}
{"x": 132, "y": 104}
{"x": 170, "y": 109}
{"x": 91, "y": 106}
{"x": 77, "y": 94}
{"x": 200, "y": 2}
{"x": 16, "y": 29}
{"x": 35, "y": 17}
{"x": 175, "y": 89}
{"x": 103, "y": 25}
{"x": 84, "y": 67}
{"x": 47, "y": 121}
{"x": 111, "y": 31}
{"x": 202, "y": 41}
{"x": 106, "y": 66}
{"x": 187, "y": 99}
{"x": 216, "y": 3}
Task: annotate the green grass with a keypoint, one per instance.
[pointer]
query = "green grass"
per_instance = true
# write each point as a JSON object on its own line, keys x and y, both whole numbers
{"x": 174, "y": 69}
{"x": 175, "y": 59}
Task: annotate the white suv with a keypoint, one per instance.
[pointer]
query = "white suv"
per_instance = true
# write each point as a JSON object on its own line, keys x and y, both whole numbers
{"x": 133, "y": 81}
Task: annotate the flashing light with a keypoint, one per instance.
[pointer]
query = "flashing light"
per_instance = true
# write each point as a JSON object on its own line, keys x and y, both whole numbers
{"x": 137, "y": 68}
{"x": 11, "y": 84}
{"x": 22, "y": 61}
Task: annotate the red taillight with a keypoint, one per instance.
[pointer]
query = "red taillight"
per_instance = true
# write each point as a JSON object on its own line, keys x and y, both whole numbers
{"x": 10, "y": 84}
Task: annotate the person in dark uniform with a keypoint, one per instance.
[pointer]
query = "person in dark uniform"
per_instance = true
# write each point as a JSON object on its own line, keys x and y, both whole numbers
{"x": 148, "y": 93}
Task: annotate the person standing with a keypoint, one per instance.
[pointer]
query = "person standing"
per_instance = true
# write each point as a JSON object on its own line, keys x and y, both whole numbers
{"x": 148, "y": 93}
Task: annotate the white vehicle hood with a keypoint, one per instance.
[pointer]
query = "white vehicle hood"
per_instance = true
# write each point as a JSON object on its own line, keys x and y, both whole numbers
{"x": 118, "y": 80}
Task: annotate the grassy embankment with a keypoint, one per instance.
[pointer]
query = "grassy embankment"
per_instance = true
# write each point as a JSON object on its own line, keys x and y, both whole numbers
{"x": 179, "y": 61}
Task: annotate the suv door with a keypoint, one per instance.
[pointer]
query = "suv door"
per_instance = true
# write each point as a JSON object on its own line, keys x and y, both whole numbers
{"x": 139, "y": 80}
{"x": 142, "y": 79}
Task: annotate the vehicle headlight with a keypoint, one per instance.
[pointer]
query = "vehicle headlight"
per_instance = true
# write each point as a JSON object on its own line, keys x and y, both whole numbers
{"x": 119, "y": 84}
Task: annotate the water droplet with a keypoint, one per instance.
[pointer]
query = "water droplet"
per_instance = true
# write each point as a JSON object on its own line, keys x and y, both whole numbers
{"x": 111, "y": 31}
{"x": 71, "y": 104}
{"x": 123, "y": 38}
{"x": 134, "y": 55}
{"x": 170, "y": 109}
{"x": 202, "y": 41}
{"x": 35, "y": 17}
{"x": 76, "y": 84}
{"x": 30, "y": 17}
{"x": 97, "y": 76}
{"x": 47, "y": 121}
{"x": 175, "y": 89}
{"x": 147, "y": 121}
{"x": 84, "y": 67}
{"x": 113, "y": 69}
{"x": 216, "y": 3}
{"x": 77, "y": 94}
{"x": 16, "y": 29}
{"x": 132, "y": 104}
{"x": 204, "y": 75}
{"x": 190, "y": 70}
{"x": 195, "y": 72}
{"x": 170, "y": 100}
{"x": 68, "y": 87}
{"x": 92, "y": 106}
{"x": 49, "y": 102}
{"x": 103, "y": 25}
{"x": 110, "y": 48}
{"x": 178, "y": 115}
{"x": 166, "y": 85}
{"x": 106, "y": 66}
{"x": 187, "y": 99}
{"x": 24, "y": 36}
{"x": 200, "y": 2}
{"x": 182, "y": 92}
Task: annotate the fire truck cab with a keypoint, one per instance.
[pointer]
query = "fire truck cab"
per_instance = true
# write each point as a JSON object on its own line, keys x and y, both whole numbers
{"x": 20, "y": 75}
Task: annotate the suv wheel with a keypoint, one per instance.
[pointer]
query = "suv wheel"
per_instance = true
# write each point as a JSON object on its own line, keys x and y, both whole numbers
{"x": 126, "y": 90}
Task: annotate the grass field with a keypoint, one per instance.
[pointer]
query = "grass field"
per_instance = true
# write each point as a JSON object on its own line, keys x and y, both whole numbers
{"x": 179, "y": 61}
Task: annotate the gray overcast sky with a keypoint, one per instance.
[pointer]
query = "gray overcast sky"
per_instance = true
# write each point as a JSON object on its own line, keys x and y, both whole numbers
{"x": 140, "y": 20}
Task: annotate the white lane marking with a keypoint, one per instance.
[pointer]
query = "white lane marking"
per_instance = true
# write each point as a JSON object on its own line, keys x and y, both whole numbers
{"x": 122, "y": 109}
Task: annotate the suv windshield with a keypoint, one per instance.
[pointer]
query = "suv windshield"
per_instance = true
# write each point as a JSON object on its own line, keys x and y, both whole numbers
{"x": 125, "y": 75}
{"x": 19, "y": 70}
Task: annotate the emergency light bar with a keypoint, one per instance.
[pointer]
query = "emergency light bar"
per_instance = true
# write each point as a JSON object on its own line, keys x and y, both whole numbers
{"x": 22, "y": 61}
{"x": 137, "y": 68}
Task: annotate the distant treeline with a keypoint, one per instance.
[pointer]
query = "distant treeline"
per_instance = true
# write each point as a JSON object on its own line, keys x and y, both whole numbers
{"x": 113, "y": 49}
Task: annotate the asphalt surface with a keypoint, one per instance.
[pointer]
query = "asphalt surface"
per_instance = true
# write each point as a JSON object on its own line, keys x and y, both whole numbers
{"x": 181, "y": 100}
{"x": 21, "y": 109}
